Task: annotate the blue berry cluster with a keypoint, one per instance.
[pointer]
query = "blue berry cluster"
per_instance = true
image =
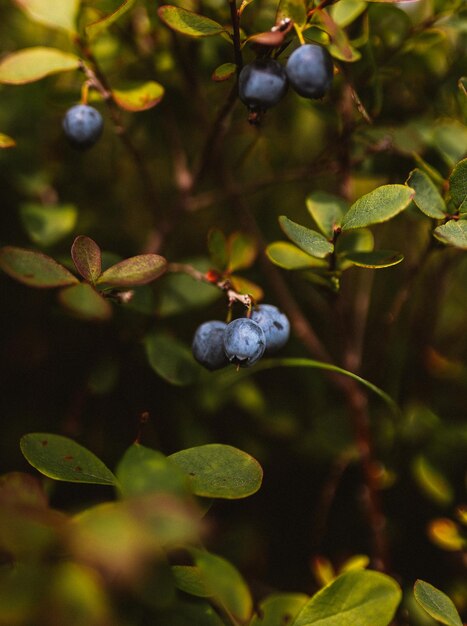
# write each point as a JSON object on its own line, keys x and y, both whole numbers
{"x": 264, "y": 82}
{"x": 242, "y": 342}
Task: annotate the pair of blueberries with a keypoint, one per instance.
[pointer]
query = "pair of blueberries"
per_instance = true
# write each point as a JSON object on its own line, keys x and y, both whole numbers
{"x": 263, "y": 83}
{"x": 242, "y": 342}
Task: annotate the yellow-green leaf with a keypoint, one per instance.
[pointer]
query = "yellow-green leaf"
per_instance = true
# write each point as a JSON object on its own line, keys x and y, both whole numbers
{"x": 34, "y": 268}
{"x": 31, "y": 64}
{"x": 139, "y": 96}
{"x": 458, "y": 183}
{"x": 453, "y": 233}
{"x": 224, "y": 72}
{"x": 53, "y": 13}
{"x": 326, "y": 210}
{"x": 292, "y": 9}
{"x": 241, "y": 250}
{"x": 380, "y": 205}
{"x": 436, "y": 603}
{"x": 85, "y": 302}
{"x": 137, "y": 270}
{"x": 427, "y": 197}
{"x": 46, "y": 225}
{"x": 290, "y": 257}
{"x": 101, "y": 25}
{"x": 279, "y": 609}
{"x": 189, "y": 23}
{"x": 305, "y": 238}
{"x": 374, "y": 259}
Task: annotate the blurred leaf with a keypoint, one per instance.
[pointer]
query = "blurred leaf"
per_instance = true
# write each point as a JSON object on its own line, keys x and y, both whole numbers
{"x": 427, "y": 197}
{"x": 217, "y": 246}
{"x": 245, "y": 286}
{"x": 450, "y": 139}
{"x": 22, "y": 587}
{"x": 358, "y": 561}
{"x": 323, "y": 570}
{"x": 458, "y": 184}
{"x": 142, "y": 470}
{"x": 22, "y": 490}
{"x": 31, "y": 64}
{"x": 308, "y": 240}
{"x": 431, "y": 480}
{"x": 360, "y": 597}
{"x": 360, "y": 240}
{"x": 87, "y": 258}
{"x": 47, "y": 225}
{"x": 85, "y": 302}
{"x": 437, "y": 604}
{"x": 379, "y": 205}
{"x": 220, "y": 471}
{"x": 34, "y": 268}
{"x": 288, "y": 256}
{"x": 375, "y": 259}
{"x": 326, "y": 210}
{"x": 6, "y": 142}
{"x": 171, "y": 359}
{"x": 192, "y": 612}
{"x": 139, "y": 96}
{"x": 224, "y": 72}
{"x": 293, "y": 9}
{"x": 137, "y": 270}
{"x": 188, "y": 578}
{"x": 189, "y": 23}
{"x": 53, "y": 13}
{"x": 242, "y": 251}
{"x": 279, "y": 609}
{"x": 346, "y": 11}
{"x": 445, "y": 534}
{"x": 63, "y": 459}
{"x": 453, "y": 233}
{"x": 340, "y": 44}
{"x": 101, "y": 25}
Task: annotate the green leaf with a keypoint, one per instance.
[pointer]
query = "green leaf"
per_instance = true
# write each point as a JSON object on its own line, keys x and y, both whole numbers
{"x": 142, "y": 470}
{"x": 137, "y": 270}
{"x": 288, "y": 256}
{"x": 224, "y": 72}
{"x": 32, "y": 64}
{"x": 242, "y": 251}
{"x": 245, "y": 286}
{"x": 96, "y": 28}
{"x": 139, "y": 96}
{"x": 217, "y": 246}
{"x": 453, "y": 233}
{"x": 6, "y": 142}
{"x": 220, "y": 471}
{"x": 432, "y": 481}
{"x": 326, "y": 210}
{"x": 63, "y": 459}
{"x": 375, "y": 259}
{"x": 437, "y": 604}
{"x": 171, "y": 359}
{"x": 360, "y": 597}
{"x": 53, "y": 13}
{"x": 47, "y": 225}
{"x": 427, "y": 197}
{"x": 293, "y": 9}
{"x": 191, "y": 612}
{"x": 190, "y": 580}
{"x": 189, "y": 23}
{"x": 345, "y": 12}
{"x": 87, "y": 258}
{"x": 85, "y": 302}
{"x": 34, "y": 268}
{"x": 225, "y": 584}
{"x": 458, "y": 184}
{"x": 379, "y": 205}
{"x": 279, "y": 609}
{"x": 308, "y": 240}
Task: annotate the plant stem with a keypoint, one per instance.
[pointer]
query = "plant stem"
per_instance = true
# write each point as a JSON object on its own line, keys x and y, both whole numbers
{"x": 235, "y": 19}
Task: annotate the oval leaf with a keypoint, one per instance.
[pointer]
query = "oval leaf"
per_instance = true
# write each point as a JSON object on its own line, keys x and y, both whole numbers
{"x": 6, "y": 142}
{"x": 224, "y": 72}
{"x": 189, "y": 23}
{"x": 279, "y": 609}
{"x": 137, "y": 270}
{"x": 427, "y": 197}
{"x": 360, "y": 597}
{"x": 63, "y": 459}
{"x": 432, "y": 481}
{"x": 94, "y": 29}
{"x": 220, "y": 471}
{"x": 379, "y": 205}
{"x": 189, "y": 579}
{"x": 54, "y": 13}
{"x": 139, "y": 97}
{"x": 171, "y": 359}
{"x": 242, "y": 251}
{"x": 87, "y": 258}
{"x": 34, "y": 268}
{"x": 85, "y": 302}
{"x": 32, "y": 64}
{"x": 375, "y": 259}
{"x": 288, "y": 256}
{"x": 293, "y": 9}
{"x": 437, "y": 604}
{"x": 46, "y": 225}
{"x": 308, "y": 240}
{"x": 453, "y": 233}
{"x": 458, "y": 184}
{"x": 326, "y": 210}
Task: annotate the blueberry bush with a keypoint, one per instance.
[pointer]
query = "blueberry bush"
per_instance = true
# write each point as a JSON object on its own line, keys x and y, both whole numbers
{"x": 233, "y": 267}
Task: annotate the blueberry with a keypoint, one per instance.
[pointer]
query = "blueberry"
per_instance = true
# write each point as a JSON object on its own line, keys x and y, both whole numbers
{"x": 83, "y": 126}
{"x": 208, "y": 345}
{"x": 275, "y": 325}
{"x": 310, "y": 70}
{"x": 262, "y": 84}
{"x": 244, "y": 342}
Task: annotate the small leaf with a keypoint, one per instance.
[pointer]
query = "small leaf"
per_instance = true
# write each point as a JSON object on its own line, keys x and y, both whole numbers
{"x": 189, "y": 579}
{"x": 217, "y": 246}
{"x": 432, "y": 481}
{"x": 427, "y": 197}
{"x": 220, "y": 471}
{"x": 189, "y": 23}
{"x": 224, "y": 72}
{"x": 242, "y": 251}
{"x": 85, "y": 302}
{"x": 34, "y": 268}
{"x": 360, "y": 597}
{"x": 171, "y": 359}
{"x": 139, "y": 96}
{"x": 47, "y": 225}
{"x": 6, "y": 142}
{"x": 340, "y": 46}
{"x": 458, "y": 184}
{"x": 279, "y": 609}
{"x": 446, "y": 534}
{"x": 293, "y": 9}
{"x": 32, "y": 64}
{"x": 53, "y": 13}
{"x": 436, "y": 603}
{"x": 96, "y": 28}
{"x": 379, "y": 205}
{"x": 453, "y": 233}
{"x": 346, "y": 11}
{"x": 87, "y": 258}
{"x": 137, "y": 270}
{"x": 375, "y": 259}
{"x": 288, "y": 256}
{"x": 308, "y": 240}
{"x": 63, "y": 459}
{"x": 326, "y": 210}
{"x": 244, "y": 286}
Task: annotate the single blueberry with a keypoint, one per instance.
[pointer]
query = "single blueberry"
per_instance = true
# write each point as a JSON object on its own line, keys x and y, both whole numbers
{"x": 83, "y": 126}
{"x": 244, "y": 342}
{"x": 310, "y": 70}
{"x": 275, "y": 325}
{"x": 208, "y": 345}
{"x": 262, "y": 84}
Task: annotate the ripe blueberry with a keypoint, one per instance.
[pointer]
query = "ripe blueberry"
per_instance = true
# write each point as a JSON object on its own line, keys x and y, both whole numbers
{"x": 244, "y": 342}
{"x": 309, "y": 70}
{"x": 262, "y": 84}
{"x": 83, "y": 126}
{"x": 208, "y": 345}
{"x": 275, "y": 325}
